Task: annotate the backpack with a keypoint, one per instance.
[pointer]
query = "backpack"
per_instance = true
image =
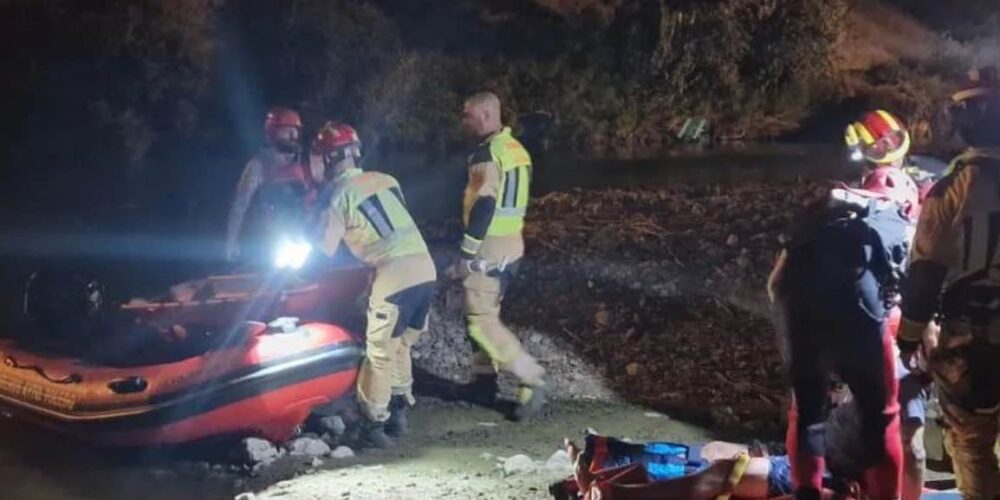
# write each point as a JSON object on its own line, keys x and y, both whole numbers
{"x": 856, "y": 232}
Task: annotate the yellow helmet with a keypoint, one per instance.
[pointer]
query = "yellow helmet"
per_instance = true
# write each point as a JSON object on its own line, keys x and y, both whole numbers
{"x": 878, "y": 137}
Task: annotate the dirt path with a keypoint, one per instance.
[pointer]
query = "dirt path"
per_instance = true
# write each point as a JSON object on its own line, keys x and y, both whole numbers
{"x": 456, "y": 451}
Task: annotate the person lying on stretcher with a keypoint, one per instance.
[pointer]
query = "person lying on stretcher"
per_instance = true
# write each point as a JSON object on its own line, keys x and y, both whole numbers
{"x": 608, "y": 468}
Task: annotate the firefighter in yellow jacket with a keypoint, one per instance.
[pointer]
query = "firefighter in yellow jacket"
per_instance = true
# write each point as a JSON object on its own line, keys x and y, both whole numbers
{"x": 494, "y": 206}
{"x": 367, "y": 211}
{"x": 954, "y": 275}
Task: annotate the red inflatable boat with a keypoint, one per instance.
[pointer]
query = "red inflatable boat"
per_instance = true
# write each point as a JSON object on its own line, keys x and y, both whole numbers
{"x": 329, "y": 295}
{"x": 265, "y": 384}
{"x": 190, "y": 365}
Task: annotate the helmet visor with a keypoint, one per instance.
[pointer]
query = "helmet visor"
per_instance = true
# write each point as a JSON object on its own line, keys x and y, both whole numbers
{"x": 884, "y": 146}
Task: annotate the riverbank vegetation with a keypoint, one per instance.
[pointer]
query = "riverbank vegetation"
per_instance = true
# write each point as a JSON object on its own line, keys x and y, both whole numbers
{"x": 144, "y": 101}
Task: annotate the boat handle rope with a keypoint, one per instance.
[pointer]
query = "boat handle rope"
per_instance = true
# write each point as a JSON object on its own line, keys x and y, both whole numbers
{"x": 72, "y": 378}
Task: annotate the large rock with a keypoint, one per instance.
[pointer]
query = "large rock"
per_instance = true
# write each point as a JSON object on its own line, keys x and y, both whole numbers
{"x": 260, "y": 450}
{"x": 333, "y": 424}
{"x": 308, "y": 447}
{"x": 518, "y": 464}
{"x": 559, "y": 463}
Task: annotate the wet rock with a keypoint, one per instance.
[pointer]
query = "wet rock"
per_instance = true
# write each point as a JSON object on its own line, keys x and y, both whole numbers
{"x": 259, "y": 450}
{"x": 245, "y": 496}
{"x": 308, "y": 446}
{"x": 732, "y": 240}
{"x": 342, "y": 452}
{"x": 316, "y": 462}
{"x": 333, "y": 424}
{"x": 200, "y": 467}
{"x": 518, "y": 464}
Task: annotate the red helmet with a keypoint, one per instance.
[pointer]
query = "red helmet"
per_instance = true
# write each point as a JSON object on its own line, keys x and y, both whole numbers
{"x": 896, "y": 185}
{"x": 878, "y": 137}
{"x": 334, "y": 137}
{"x": 281, "y": 117}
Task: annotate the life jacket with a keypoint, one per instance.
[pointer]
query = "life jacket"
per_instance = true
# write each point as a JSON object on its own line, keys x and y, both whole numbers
{"x": 855, "y": 232}
{"x": 287, "y": 195}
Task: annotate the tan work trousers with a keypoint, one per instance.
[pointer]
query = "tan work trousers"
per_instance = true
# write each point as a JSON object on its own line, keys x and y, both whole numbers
{"x": 500, "y": 348}
{"x": 966, "y": 369}
{"x": 387, "y": 368}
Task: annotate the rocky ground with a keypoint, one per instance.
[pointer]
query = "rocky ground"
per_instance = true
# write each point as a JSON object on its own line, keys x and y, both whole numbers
{"x": 462, "y": 451}
{"x": 647, "y": 307}
{"x": 653, "y": 296}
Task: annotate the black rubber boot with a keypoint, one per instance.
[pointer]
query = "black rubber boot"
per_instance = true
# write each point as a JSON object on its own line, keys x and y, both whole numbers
{"x": 530, "y": 401}
{"x": 373, "y": 434}
{"x": 482, "y": 391}
{"x": 398, "y": 424}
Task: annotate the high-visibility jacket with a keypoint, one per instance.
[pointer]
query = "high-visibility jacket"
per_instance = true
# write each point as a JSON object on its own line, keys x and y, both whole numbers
{"x": 496, "y": 197}
{"x": 955, "y": 263}
{"x": 367, "y": 211}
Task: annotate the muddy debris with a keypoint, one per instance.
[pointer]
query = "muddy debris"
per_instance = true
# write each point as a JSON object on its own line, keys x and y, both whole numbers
{"x": 654, "y": 296}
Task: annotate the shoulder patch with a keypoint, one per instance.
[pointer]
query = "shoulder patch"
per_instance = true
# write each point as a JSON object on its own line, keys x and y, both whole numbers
{"x": 481, "y": 154}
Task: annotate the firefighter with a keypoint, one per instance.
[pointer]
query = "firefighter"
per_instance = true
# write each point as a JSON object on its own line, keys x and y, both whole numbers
{"x": 494, "y": 206}
{"x": 368, "y": 213}
{"x": 954, "y": 276}
{"x": 834, "y": 282}
{"x": 276, "y": 186}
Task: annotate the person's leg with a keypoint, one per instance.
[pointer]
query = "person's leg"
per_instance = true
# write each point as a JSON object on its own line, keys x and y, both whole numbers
{"x": 914, "y": 460}
{"x": 967, "y": 377}
{"x": 867, "y": 363}
{"x": 414, "y": 304}
{"x": 482, "y": 302}
{"x": 805, "y": 439}
{"x": 806, "y": 430}
{"x": 389, "y": 309}
{"x": 376, "y": 374}
{"x": 970, "y": 439}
